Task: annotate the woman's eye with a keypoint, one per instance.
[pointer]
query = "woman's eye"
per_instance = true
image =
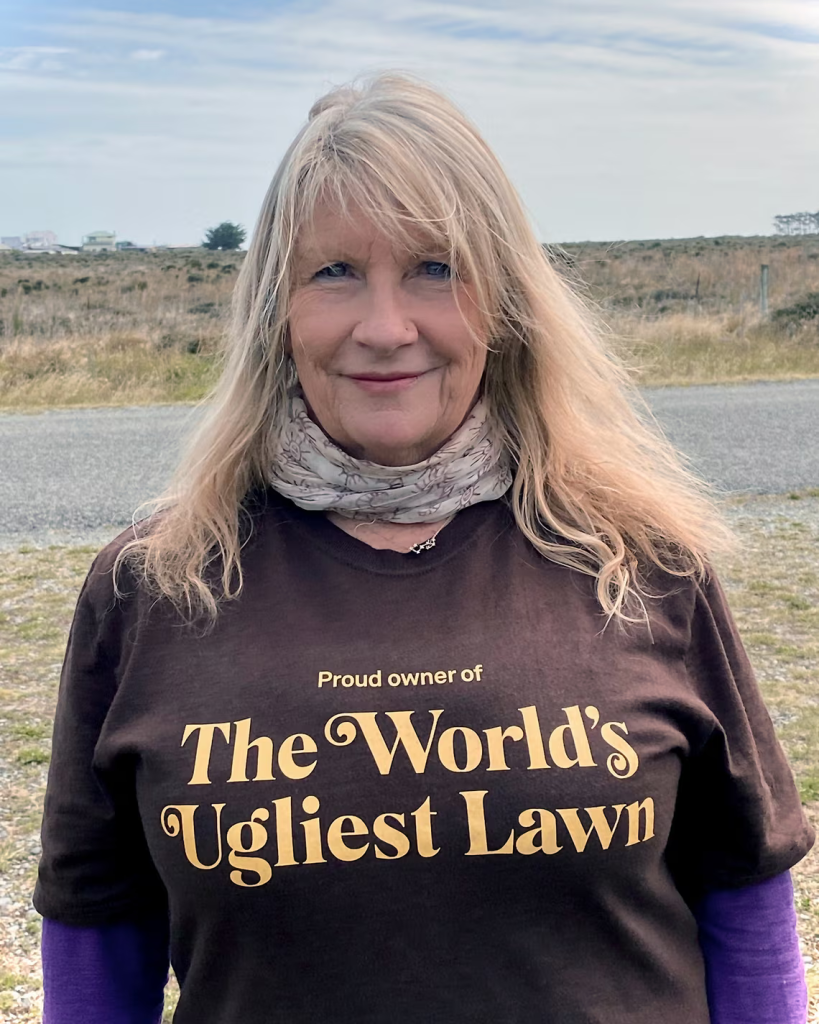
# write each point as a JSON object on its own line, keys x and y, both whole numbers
{"x": 434, "y": 269}
{"x": 333, "y": 270}
{"x": 440, "y": 270}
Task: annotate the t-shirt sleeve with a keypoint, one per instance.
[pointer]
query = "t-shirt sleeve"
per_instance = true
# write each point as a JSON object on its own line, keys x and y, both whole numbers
{"x": 95, "y": 867}
{"x": 738, "y": 818}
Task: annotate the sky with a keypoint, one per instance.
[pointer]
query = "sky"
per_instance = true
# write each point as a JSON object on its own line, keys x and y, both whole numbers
{"x": 615, "y": 119}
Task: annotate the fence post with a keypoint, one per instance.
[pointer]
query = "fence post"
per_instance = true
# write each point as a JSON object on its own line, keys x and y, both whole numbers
{"x": 763, "y": 289}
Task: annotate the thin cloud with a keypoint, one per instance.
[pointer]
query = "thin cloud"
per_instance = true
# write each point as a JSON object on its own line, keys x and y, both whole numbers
{"x": 32, "y": 58}
{"x": 612, "y": 121}
{"x": 364, "y": 27}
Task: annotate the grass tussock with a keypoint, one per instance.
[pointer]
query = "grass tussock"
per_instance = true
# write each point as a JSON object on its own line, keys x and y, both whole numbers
{"x": 117, "y": 369}
{"x": 135, "y": 328}
{"x": 692, "y": 348}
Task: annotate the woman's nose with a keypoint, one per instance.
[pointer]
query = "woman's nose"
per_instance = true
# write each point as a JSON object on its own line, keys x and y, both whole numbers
{"x": 385, "y": 321}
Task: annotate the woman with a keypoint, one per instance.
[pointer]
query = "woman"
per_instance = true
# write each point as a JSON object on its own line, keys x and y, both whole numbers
{"x": 416, "y": 699}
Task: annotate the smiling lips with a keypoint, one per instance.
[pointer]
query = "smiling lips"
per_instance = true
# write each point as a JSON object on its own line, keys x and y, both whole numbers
{"x": 385, "y": 383}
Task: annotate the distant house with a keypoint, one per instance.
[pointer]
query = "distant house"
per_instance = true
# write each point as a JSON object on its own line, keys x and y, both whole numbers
{"x": 39, "y": 241}
{"x": 34, "y": 243}
{"x": 100, "y": 241}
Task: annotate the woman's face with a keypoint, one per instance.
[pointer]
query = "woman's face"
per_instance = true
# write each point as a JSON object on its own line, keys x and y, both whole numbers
{"x": 383, "y": 354}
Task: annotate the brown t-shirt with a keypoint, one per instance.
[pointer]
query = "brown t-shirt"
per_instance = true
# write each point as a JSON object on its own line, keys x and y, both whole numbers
{"x": 409, "y": 788}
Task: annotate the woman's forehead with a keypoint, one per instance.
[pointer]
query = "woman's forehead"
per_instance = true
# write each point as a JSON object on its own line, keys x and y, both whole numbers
{"x": 355, "y": 233}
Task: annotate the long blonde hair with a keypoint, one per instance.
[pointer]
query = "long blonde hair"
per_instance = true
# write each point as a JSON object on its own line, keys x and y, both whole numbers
{"x": 592, "y": 466}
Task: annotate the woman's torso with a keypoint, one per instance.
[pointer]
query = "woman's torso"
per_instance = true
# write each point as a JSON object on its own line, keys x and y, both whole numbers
{"x": 457, "y": 791}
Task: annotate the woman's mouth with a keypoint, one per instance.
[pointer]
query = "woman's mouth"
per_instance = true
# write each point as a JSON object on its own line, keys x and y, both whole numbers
{"x": 385, "y": 383}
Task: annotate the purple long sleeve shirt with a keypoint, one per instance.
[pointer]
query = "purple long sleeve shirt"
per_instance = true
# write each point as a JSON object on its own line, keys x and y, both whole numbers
{"x": 754, "y": 970}
{"x": 115, "y": 974}
{"x": 104, "y": 974}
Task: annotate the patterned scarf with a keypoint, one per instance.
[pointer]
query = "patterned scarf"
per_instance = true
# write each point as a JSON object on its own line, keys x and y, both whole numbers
{"x": 314, "y": 473}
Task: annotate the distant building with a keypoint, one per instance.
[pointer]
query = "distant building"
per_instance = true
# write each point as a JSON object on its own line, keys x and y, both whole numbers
{"x": 39, "y": 241}
{"x": 100, "y": 241}
{"x": 36, "y": 243}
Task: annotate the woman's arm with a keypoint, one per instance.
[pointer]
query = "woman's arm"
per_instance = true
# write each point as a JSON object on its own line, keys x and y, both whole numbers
{"x": 104, "y": 974}
{"x": 95, "y": 870}
{"x": 754, "y": 970}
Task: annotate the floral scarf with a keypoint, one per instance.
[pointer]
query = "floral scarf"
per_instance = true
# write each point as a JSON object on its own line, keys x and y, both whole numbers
{"x": 314, "y": 473}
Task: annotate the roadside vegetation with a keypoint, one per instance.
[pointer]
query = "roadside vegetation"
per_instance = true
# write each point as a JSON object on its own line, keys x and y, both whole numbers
{"x": 772, "y": 584}
{"x": 144, "y": 327}
{"x": 111, "y": 329}
{"x": 687, "y": 311}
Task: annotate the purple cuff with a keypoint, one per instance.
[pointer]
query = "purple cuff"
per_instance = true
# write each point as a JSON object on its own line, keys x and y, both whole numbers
{"x": 754, "y": 970}
{"x": 104, "y": 974}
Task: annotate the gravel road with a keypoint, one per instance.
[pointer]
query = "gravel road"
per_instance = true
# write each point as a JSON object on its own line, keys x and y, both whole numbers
{"x": 76, "y": 476}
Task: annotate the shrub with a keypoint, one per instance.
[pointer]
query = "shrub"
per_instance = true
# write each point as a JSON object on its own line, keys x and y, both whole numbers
{"x": 205, "y": 308}
{"x": 799, "y": 313}
{"x": 665, "y": 294}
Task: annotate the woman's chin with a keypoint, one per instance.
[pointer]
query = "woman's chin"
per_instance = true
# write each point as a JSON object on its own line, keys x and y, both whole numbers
{"x": 399, "y": 449}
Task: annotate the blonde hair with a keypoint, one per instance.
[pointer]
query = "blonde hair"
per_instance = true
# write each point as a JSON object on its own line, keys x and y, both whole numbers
{"x": 597, "y": 486}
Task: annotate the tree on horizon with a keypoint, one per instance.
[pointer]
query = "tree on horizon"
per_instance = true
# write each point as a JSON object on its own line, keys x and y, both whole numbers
{"x": 803, "y": 223}
{"x": 227, "y": 236}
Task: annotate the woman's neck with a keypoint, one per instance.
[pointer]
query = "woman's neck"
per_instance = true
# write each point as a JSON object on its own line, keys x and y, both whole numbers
{"x": 385, "y": 535}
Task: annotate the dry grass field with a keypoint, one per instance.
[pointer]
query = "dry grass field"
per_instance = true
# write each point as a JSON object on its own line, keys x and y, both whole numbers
{"x": 118, "y": 329}
{"x": 687, "y": 311}
{"x": 134, "y": 328}
{"x": 773, "y": 586}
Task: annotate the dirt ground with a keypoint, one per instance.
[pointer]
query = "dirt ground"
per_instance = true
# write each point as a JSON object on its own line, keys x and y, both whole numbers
{"x": 773, "y": 586}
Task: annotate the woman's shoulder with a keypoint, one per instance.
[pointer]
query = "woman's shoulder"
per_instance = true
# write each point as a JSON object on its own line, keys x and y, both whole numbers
{"x": 118, "y": 573}
{"x": 696, "y": 606}
{"x": 110, "y": 578}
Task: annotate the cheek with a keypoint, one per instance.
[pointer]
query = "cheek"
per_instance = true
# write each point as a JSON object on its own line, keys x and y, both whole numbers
{"x": 310, "y": 335}
{"x": 468, "y": 355}
{"x": 462, "y": 330}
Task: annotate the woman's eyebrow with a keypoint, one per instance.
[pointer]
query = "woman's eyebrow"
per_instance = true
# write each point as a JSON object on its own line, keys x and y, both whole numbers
{"x": 341, "y": 254}
{"x": 323, "y": 252}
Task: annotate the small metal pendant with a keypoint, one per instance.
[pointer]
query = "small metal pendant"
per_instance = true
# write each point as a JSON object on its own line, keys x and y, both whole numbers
{"x": 425, "y": 545}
